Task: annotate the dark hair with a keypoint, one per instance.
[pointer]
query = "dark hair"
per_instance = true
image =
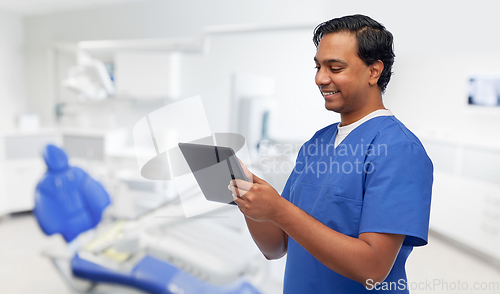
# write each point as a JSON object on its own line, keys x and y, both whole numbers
{"x": 374, "y": 41}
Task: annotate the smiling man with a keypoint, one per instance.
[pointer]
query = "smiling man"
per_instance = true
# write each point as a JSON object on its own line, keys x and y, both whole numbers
{"x": 358, "y": 199}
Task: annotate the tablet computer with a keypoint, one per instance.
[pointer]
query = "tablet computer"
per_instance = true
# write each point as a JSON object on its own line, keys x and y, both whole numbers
{"x": 213, "y": 168}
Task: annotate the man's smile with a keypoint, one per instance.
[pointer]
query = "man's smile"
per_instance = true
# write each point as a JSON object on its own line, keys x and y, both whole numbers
{"x": 329, "y": 93}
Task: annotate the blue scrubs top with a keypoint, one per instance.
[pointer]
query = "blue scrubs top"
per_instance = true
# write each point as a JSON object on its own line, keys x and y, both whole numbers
{"x": 379, "y": 179}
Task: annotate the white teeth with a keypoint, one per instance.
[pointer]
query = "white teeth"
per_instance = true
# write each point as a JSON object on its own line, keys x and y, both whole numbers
{"x": 330, "y": 93}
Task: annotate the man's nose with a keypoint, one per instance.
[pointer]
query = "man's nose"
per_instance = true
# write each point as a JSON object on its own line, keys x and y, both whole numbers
{"x": 322, "y": 78}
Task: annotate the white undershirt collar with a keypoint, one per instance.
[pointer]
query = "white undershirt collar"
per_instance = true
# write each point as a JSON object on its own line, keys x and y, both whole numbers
{"x": 344, "y": 131}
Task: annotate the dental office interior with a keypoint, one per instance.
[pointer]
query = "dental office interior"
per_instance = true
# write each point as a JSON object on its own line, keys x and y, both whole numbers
{"x": 96, "y": 79}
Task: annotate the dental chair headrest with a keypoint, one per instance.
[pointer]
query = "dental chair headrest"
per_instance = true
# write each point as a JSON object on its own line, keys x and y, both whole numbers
{"x": 55, "y": 158}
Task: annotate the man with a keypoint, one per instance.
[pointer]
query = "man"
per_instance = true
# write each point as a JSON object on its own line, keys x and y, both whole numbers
{"x": 358, "y": 199}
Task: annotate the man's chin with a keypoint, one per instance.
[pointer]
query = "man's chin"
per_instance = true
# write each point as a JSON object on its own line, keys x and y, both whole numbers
{"x": 333, "y": 108}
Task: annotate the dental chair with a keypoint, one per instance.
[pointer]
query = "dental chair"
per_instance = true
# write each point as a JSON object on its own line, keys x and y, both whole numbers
{"x": 71, "y": 203}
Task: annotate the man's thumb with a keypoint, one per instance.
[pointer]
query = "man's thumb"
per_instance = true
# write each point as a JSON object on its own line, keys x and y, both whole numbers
{"x": 257, "y": 180}
{"x": 250, "y": 176}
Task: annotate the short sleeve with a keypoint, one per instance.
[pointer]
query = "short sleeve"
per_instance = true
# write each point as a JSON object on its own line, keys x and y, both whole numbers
{"x": 397, "y": 192}
{"x": 286, "y": 191}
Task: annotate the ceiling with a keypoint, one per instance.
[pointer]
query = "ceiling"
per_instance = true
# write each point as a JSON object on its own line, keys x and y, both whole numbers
{"x": 36, "y": 7}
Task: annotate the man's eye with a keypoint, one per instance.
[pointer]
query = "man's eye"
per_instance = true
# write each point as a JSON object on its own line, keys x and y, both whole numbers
{"x": 317, "y": 67}
{"x": 335, "y": 69}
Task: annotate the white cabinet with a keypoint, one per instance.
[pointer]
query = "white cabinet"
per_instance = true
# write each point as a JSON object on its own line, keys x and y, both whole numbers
{"x": 21, "y": 167}
{"x": 466, "y": 193}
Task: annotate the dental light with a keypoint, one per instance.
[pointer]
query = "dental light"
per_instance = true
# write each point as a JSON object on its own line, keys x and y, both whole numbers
{"x": 89, "y": 78}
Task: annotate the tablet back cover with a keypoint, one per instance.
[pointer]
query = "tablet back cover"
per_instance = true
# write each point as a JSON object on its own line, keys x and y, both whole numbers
{"x": 213, "y": 168}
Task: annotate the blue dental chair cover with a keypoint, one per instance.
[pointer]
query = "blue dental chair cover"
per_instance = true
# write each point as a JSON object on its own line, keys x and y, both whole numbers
{"x": 67, "y": 200}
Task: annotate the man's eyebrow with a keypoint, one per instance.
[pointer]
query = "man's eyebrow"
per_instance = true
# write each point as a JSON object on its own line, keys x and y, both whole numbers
{"x": 331, "y": 61}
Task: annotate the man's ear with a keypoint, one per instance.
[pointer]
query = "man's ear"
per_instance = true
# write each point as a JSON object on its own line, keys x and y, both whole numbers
{"x": 376, "y": 69}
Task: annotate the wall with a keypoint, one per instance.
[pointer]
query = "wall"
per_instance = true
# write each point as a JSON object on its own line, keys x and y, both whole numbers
{"x": 438, "y": 83}
{"x": 436, "y": 43}
{"x": 12, "y": 82}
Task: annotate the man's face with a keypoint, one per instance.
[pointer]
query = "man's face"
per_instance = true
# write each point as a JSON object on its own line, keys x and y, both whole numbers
{"x": 342, "y": 77}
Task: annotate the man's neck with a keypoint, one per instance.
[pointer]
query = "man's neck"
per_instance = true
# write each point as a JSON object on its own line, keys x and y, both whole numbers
{"x": 372, "y": 102}
{"x": 352, "y": 117}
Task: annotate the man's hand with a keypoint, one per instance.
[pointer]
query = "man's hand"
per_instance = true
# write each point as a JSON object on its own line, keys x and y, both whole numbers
{"x": 256, "y": 199}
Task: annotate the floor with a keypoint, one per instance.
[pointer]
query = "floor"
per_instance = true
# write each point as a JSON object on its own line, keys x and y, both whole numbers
{"x": 435, "y": 268}
{"x": 22, "y": 268}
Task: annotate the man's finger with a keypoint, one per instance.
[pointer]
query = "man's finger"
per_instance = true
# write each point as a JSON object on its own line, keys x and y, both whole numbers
{"x": 241, "y": 184}
{"x": 247, "y": 173}
{"x": 236, "y": 191}
{"x": 238, "y": 200}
